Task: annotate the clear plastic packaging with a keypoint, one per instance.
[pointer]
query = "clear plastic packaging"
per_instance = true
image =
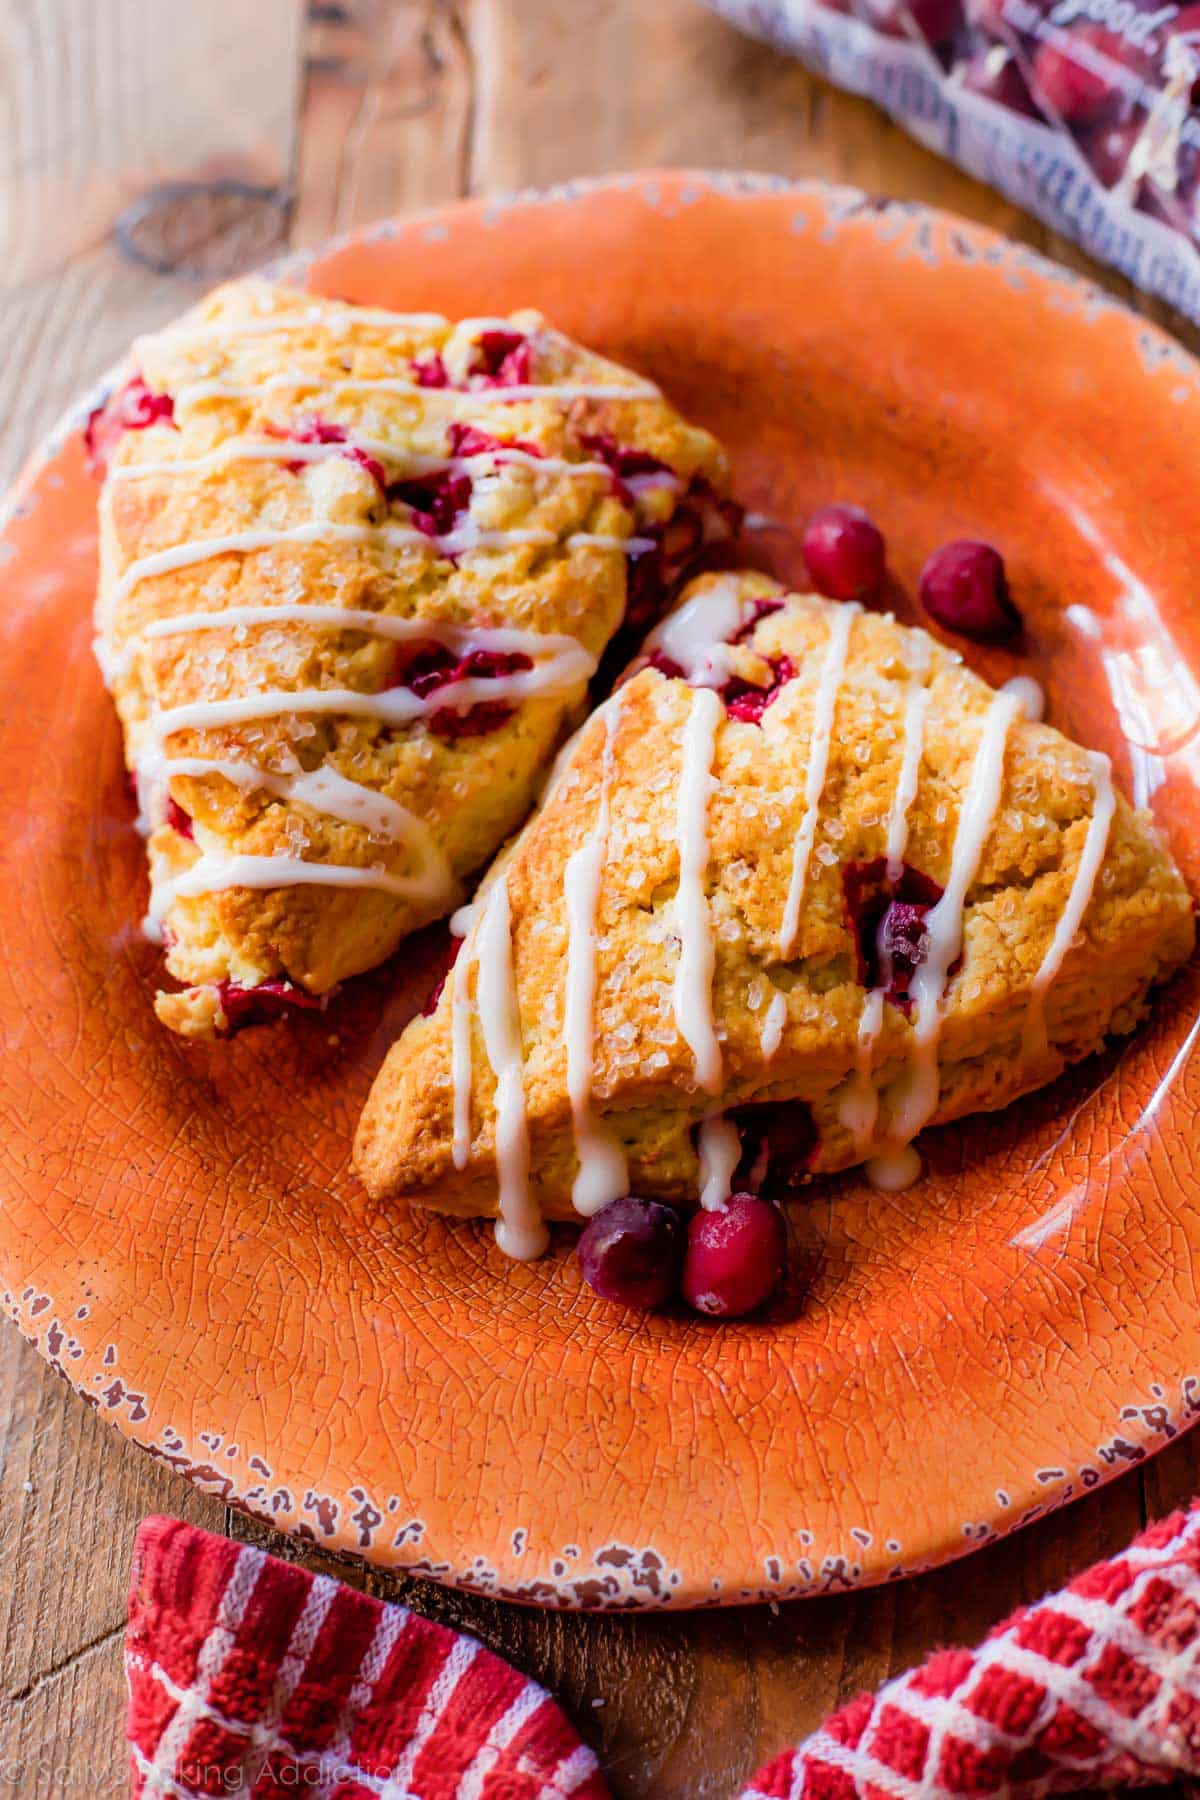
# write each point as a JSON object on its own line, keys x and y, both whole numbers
{"x": 1084, "y": 112}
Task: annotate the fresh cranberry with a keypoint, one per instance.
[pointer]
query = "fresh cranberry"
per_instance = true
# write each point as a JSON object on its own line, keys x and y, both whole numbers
{"x": 631, "y": 1252}
{"x": 934, "y": 20}
{"x": 995, "y": 74}
{"x": 844, "y": 551}
{"x": 502, "y": 359}
{"x": 430, "y": 371}
{"x": 779, "y": 1139}
{"x": 436, "y": 500}
{"x": 433, "y": 666}
{"x": 1076, "y": 74}
{"x": 131, "y": 408}
{"x": 1108, "y": 148}
{"x": 179, "y": 820}
{"x": 887, "y": 922}
{"x": 735, "y": 1256}
{"x": 271, "y": 999}
{"x": 964, "y": 587}
{"x": 469, "y": 440}
{"x": 750, "y": 703}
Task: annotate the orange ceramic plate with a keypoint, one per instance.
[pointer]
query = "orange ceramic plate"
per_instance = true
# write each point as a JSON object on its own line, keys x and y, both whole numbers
{"x": 180, "y": 1233}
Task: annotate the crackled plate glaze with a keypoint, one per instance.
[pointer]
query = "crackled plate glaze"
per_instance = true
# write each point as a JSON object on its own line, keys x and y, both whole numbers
{"x": 180, "y": 1233}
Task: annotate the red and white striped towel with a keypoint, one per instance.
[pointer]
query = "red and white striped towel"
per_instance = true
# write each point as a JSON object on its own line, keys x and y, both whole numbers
{"x": 251, "y": 1678}
{"x": 1094, "y": 1688}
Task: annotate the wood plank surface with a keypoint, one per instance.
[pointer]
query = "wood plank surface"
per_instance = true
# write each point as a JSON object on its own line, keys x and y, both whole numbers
{"x": 153, "y": 146}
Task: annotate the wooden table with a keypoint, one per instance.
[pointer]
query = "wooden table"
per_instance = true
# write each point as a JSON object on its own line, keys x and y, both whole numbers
{"x": 307, "y": 125}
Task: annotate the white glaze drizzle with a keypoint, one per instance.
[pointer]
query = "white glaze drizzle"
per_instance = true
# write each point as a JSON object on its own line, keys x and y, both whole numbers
{"x": 773, "y": 1024}
{"x": 1030, "y": 693}
{"x": 395, "y": 706}
{"x": 191, "y": 393}
{"x": 1091, "y": 857}
{"x": 720, "y": 1150}
{"x": 325, "y": 790}
{"x": 213, "y": 873}
{"x": 698, "y": 635}
{"x": 858, "y": 1108}
{"x": 389, "y": 537}
{"x": 287, "y": 450}
{"x": 603, "y": 1174}
{"x": 692, "y": 993}
{"x": 385, "y": 625}
{"x": 914, "y": 1095}
{"x": 833, "y": 667}
{"x": 520, "y": 1231}
{"x": 893, "y": 1170}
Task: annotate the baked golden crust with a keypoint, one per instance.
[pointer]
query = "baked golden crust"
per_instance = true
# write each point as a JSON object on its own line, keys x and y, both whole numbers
{"x": 1136, "y": 926}
{"x": 327, "y": 399}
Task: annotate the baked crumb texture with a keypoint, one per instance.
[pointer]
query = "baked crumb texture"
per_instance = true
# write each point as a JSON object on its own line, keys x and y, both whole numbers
{"x": 482, "y": 498}
{"x": 792, "y": 1019}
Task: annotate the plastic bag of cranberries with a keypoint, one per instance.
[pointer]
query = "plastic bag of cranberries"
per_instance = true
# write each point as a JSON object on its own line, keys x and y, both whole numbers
{"x": 1085, "y": 112}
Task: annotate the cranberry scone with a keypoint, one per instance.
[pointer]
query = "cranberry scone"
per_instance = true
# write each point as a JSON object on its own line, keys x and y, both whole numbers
{"x": 356, "y": 570}
{"x": 802, "y": 886}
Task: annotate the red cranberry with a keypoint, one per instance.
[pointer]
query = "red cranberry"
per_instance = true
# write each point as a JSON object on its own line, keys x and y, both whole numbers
{"x": 502, "y": 359}
{"x": 430, "y": 371}
{"x": 436, "y": 500}
{"x": 131, "y": 408}
{"x": 844, "y": 551}
{"x": 888, "y": 924}
{"x": 779, "y": 1139}
{"x": 431, "y": 1005}
{"x": 433, "y": 666}
{"x": 627, "y": 464}
{"x": 750, "y": 703}
{"x": 934, "y": 20}
{"x": 996, "y": 75}
{"x": 963, "y": 586}
{"x": 1108, "y": 147}
{"x": 1076, "y": 74}
{"x": 631, "y": 1252}
{"x": 469, "y": 440}
{"x": 311, "y": 428}
{"x": 734, "y": 1257}
{"x": 177, "y": 819}
{"x": 271, "y": 999}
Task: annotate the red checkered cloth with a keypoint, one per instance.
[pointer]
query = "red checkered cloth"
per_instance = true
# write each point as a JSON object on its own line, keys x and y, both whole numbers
{"x": 1095, "y": 1687}
{"x": 251, "y": 1678}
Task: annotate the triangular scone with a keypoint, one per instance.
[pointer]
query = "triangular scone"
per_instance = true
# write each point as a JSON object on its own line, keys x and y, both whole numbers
{"x": 698, "y": 936}
{"x": 357, "y": 568}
